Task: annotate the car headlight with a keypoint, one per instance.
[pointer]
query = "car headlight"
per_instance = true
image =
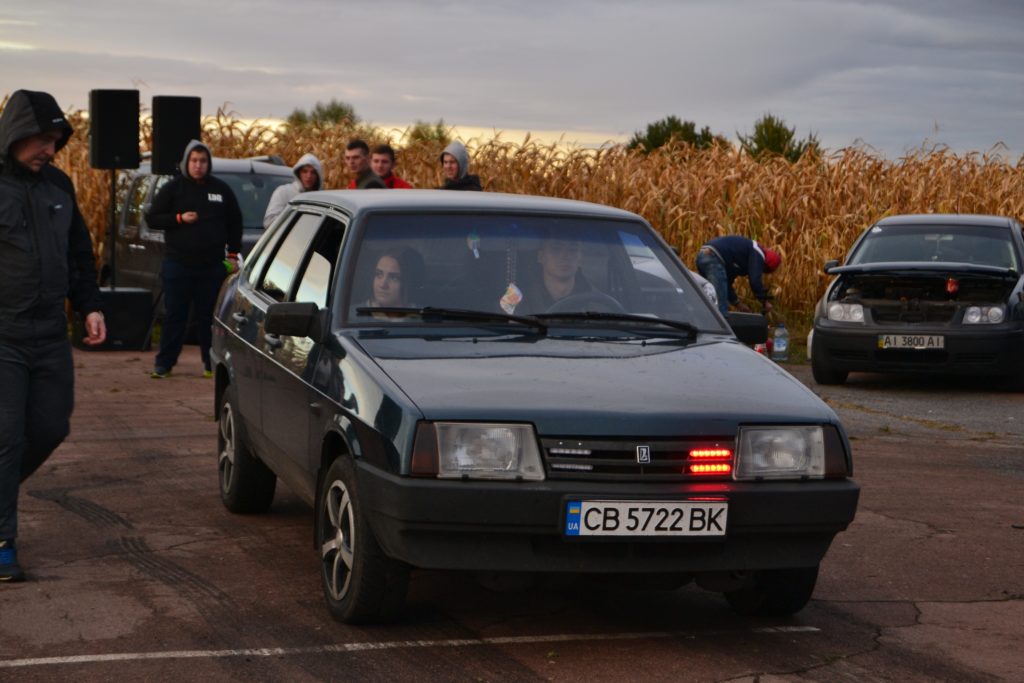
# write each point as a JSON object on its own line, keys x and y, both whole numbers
{"x": 709, "y": 292}
{"x": 477, "y": 451}
{"x": 984, "y": 315}
{"x": 780, "y": 453}
{"x": 847, "y": 313}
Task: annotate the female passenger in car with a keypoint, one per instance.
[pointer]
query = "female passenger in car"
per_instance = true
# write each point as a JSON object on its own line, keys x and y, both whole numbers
{"x": 393, "y": 278}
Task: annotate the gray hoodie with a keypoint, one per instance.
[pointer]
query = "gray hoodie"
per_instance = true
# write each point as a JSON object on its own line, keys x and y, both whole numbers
{"x": 285, "y": 193}
{"x": 183, "y": 164}
{"x": 464, "y": 181}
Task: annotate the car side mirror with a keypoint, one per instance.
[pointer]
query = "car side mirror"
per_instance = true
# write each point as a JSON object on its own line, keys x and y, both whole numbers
{"x": 749, "y": 328}
{"x": 296, "y": 319}
{"x": 829, "y": 265}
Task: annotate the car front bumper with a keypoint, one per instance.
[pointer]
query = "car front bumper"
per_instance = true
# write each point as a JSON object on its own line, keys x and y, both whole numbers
{"x": 506, "y": 526}
{"x": 967, "y": 351}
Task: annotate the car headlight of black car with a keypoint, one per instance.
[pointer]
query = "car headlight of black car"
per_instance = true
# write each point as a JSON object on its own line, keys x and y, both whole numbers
{"x": 984, "y": 315}
{"x": 847, "y": 313}
{"x": 780, "y": 453}
{"x": 471, "y": 450}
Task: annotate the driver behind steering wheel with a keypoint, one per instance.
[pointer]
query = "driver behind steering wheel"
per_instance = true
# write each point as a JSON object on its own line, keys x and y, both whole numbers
{"x": 560, "y": 275}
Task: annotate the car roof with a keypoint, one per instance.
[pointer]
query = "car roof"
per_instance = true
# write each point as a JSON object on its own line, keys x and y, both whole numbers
{"x": 934, "y": 219}
{"x": 356, "y": 201}
{"x": 237, "y": 166}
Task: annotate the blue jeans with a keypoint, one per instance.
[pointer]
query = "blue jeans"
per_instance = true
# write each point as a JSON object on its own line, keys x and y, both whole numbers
{"x": 185, "y": 287}
{"x": 37, "y": 396}
{"x": 713, "y": 270}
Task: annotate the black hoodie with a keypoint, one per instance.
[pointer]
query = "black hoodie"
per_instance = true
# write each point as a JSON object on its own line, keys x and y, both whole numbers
{"x": 45, "y": 249}
{"x": 220, "y": 218}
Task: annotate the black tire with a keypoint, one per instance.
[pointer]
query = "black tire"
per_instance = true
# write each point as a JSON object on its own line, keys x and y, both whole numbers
{"x": 361, "y": 584}
{"x": 246, "y": 484}
{"x": 775, "y": 592}
{"x": 823, "y": 370}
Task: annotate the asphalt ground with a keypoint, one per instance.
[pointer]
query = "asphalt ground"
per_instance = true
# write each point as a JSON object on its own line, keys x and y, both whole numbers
{"x": 137, "y": 572}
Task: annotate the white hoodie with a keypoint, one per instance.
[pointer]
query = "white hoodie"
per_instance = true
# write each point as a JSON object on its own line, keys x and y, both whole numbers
{"x": 285, "y": 193}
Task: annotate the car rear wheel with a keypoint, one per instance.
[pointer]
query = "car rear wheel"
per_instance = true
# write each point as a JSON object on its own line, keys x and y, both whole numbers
{"x": 823, "y": 370}
{"x": 774, "y": 592}
{"x": 361, "y": 584}
{"x": 246, "y": 484}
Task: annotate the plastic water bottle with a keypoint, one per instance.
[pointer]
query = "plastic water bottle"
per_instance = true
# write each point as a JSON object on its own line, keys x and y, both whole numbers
{"x": 780, "y": 343}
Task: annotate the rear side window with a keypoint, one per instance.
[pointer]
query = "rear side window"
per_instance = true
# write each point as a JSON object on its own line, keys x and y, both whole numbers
{"x": 253, "y": 193}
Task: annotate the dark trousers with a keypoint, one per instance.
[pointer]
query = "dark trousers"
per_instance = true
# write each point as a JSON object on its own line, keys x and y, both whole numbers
{"x": 185, "y": 287}
{"x": 36, "y": 398}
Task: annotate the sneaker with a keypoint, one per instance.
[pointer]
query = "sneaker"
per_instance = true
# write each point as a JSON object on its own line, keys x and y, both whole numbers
{"x": 207, "y": 374}
{"x": 10, "y": 570}
{"x": 160, "y": 373}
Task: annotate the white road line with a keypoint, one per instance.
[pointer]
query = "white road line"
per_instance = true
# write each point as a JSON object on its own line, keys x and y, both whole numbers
{"x": 366, "y": 646}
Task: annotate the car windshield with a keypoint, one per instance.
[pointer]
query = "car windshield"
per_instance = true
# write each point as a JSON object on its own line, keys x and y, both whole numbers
{"x": 989, "y": 246}
{"x": 522, "y": 265}
{"x": 253, "y": 193}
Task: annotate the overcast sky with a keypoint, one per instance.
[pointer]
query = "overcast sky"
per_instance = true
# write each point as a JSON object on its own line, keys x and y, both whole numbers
{"x": 890, "y": 74}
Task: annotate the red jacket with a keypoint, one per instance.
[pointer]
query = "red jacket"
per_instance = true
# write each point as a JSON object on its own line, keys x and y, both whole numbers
{"x": 395, "y": 183}
{"x": 392, "y": 182}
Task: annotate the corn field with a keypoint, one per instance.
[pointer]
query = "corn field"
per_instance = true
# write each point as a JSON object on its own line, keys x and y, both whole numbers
{"x": 811, "y": 211}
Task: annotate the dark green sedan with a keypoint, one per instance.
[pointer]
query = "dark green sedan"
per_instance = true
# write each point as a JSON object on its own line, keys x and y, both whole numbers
{"x": 502, "y": 383}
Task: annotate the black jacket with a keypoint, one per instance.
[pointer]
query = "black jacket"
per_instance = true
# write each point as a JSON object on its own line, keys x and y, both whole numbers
{"x": 220, "y": 218}
{"x": 45, "y": 248}
{"x": 466, "y": 182}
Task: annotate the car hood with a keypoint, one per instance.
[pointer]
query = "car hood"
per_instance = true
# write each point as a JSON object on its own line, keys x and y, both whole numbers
{"x": 579, "y": 387}
{"x": 929, "y": 267}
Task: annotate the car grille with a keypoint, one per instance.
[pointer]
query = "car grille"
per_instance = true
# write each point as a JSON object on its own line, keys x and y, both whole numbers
{"x": 619, "y": 460}
{"x": 902, "y": 314}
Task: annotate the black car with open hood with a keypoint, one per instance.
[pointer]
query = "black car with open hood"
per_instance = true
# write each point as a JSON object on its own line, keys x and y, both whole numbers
{"x": 925, "y": 293}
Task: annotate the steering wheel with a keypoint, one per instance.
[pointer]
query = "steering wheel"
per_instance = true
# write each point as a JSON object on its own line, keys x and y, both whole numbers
{"x": 578, "y": 302}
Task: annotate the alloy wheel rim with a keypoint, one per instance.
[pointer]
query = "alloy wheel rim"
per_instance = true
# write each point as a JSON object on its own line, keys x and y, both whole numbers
{"x": 337, "y": 546}
{"x": 226, "y": 459}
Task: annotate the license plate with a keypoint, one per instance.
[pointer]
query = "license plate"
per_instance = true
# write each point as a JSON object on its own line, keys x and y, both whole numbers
{"x": 911, "y": 341}
{"x": 645, "y": 518}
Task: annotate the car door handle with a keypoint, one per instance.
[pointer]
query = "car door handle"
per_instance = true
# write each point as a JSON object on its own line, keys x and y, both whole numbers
{"x": 240, "y": 318}
{"x": 273, "y": 341}
{"x": 314, "y": 408}
{"x": 137, "y": 247}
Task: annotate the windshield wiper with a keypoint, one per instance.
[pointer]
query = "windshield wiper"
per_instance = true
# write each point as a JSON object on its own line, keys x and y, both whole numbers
{"x": 624, "y": 317}
{"x": 433, "y": 313}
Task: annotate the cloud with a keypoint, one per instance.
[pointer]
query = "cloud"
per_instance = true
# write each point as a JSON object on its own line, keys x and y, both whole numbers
{"x": 882, "y": 72}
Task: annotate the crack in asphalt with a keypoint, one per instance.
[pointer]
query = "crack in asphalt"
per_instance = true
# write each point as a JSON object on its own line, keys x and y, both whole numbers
{"x": 935, "y": 531}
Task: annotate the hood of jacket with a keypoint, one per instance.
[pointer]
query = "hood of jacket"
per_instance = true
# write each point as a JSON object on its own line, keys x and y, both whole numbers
{"x": 29, "y": 113}
{"x": 309, "y": 160}
{"x": 183, "y": 164}
{"x": 458, "y": 150}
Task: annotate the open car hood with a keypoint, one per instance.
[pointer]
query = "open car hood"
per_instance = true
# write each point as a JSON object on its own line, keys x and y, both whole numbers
{"x": 933, "y": 267}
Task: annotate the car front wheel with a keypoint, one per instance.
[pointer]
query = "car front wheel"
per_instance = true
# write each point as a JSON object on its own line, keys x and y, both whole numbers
{"x": 361, "y": 584}
{"x": 823, "y": 370}
{"x": 246, "y": 484}
{"x": 774, "y": 592}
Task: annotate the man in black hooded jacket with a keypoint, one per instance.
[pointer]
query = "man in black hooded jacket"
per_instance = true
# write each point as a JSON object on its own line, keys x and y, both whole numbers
{"x": 200, "y": 217}
{"x": 45, "y": 258}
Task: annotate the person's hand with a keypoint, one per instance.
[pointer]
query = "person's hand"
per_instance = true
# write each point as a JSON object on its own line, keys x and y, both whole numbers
{"x": 767, "y": 307}
{"x": 742, "y": 307}
{"x": 232, "y": 263}
{"x": 95, "y": 329}
{"x": 189, "y": 217}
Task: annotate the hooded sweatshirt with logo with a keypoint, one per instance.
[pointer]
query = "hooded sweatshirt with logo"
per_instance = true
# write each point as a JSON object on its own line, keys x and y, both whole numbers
{"x": 285, "y": 193}
{"x": 464, "y": 181}
{"x": 45, "y": 248}
{"x": 220, "y": 218}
